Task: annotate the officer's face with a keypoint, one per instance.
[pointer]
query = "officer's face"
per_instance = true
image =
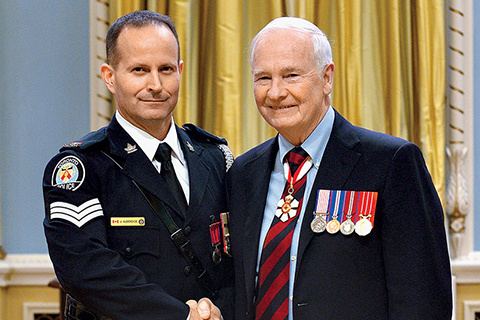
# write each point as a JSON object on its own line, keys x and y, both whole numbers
{"x": 146, "y": 80}
{"x": 290, "y": 91}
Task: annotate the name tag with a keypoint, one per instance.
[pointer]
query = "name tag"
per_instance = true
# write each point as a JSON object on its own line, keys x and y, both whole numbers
{"x": 127, "y": 222}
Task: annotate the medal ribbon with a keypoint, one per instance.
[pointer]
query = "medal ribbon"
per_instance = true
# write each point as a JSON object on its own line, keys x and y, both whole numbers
{"x": 215, "y": 233}
{"x": 368, "y": 205}
{"x": 301, "y": 171}
{"x": 226, "y": 232}
{"x": 347, "y": 209}
{"x": 339, "y": 204}
{"x": 372, "y": 206}
{"x": 322, "y": 201}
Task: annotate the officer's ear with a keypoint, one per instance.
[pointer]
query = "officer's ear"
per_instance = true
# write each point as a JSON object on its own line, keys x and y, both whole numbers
{"x": 108, "y": 76}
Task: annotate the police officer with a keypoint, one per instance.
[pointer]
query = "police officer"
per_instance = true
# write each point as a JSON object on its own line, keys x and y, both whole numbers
{"x": 133, "y": 210}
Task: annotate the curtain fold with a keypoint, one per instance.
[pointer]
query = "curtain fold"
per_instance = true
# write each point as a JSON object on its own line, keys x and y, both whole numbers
{"x": 389, "y": 58}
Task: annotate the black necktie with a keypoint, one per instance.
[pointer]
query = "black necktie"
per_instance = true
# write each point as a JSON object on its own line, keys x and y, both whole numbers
{"x": 164, "y": 155}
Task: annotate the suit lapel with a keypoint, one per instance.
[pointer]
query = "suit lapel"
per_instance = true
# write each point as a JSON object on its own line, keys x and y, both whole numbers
{"x": 258, "y": 171}
{"x": 339, "y": 159}
{"x": 198, "y": 172}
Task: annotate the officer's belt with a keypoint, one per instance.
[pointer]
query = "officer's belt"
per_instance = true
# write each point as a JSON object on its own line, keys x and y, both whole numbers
{"x": 75, "y": 310}
{"x": 179, "y": 238}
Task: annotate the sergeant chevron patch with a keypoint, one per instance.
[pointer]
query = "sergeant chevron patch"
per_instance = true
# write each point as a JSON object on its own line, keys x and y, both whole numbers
{"x": 76, "y": 215}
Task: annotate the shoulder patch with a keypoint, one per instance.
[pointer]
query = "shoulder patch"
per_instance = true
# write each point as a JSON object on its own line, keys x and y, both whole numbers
{"x": 69, "y": 173}
{"x": 199, "y": 133}
{"x": 227, "y": 153}
{"x": 88, "y": 140}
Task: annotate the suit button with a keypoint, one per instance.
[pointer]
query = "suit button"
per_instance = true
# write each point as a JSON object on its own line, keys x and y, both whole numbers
{"x": 187, "y": 270}
{"x": 128, "y": 251}
{"x": 187, "y": 230}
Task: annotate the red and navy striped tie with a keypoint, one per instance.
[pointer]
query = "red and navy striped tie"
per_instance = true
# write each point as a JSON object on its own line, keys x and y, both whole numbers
{"x": 272, "y": 295}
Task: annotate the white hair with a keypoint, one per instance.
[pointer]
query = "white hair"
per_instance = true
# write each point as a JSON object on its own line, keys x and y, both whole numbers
{"x": 322, "y": 51}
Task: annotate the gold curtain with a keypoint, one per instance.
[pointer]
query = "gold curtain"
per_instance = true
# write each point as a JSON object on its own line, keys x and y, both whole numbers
{"x": 389, "y": 58}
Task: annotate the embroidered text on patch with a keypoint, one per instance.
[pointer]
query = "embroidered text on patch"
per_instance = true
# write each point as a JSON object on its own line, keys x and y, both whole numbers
{"x": 77, "y": 215}
{"x": 69, "y": 173}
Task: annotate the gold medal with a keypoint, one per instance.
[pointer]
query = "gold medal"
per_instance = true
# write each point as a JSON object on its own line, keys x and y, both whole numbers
{"x": 333, "y": 226}
{"x": 319, "y": 223}
{"x": 363, "y": 227}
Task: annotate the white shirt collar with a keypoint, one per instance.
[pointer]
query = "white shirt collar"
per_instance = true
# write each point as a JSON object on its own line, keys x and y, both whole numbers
{"x": 148, "y": 143}
{"x": 316, "y": 143}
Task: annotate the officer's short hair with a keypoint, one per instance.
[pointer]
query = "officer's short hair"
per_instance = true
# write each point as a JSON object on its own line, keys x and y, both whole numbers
{"x": 136, "y": 19}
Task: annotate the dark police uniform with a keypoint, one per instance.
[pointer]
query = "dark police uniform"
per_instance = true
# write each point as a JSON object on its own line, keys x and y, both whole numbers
{"x": 110, "y": 250}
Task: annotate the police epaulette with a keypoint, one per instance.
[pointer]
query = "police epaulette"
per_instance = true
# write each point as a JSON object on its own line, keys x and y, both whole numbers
{"x": 88, "y": 140}
{"x": 193, "y": 130}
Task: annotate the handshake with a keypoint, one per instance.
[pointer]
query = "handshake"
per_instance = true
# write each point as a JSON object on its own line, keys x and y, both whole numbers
{"x": 204, "y": 309}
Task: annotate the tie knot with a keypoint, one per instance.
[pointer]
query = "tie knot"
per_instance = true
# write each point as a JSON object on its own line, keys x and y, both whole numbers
{"x": 164, "y": 154}
{"x": 295, "y": 157}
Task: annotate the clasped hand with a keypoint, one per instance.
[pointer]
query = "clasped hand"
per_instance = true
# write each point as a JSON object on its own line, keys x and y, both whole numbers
{"x": 204, "y": 309}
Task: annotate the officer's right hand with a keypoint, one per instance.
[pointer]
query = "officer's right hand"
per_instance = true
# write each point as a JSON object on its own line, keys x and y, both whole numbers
{"x": 204, "y": 310}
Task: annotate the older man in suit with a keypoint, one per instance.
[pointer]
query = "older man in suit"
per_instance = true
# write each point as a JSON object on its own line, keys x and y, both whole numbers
{"x": 329, "y": 220}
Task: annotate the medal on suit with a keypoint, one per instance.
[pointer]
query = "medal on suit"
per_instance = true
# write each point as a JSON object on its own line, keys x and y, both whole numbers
{"x": 319, "y": 222}
{"x": 333, "y": 225}
{"x": 348, "y": 227}
{"x": 287, "y": 207}
{"x": 364, "y": 224}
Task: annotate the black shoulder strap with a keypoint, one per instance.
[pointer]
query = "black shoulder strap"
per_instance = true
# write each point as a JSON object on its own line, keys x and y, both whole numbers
{"x": 179, "y": 238}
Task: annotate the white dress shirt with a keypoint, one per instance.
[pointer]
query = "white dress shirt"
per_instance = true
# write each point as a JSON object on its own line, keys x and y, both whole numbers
{"x": 149, "y": 146}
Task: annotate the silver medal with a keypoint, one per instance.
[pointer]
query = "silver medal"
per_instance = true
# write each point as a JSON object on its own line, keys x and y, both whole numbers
{"x": 319, "y": 224}
{"x": 347, "y": 227}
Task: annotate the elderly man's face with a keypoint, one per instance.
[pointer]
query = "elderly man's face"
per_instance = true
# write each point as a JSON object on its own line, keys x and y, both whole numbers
{"x": 290, "y": 91}
{"x": 146, "y": 80}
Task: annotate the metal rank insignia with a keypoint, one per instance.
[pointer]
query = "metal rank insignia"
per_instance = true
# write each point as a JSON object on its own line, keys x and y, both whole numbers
{"x": 287, "y": 208}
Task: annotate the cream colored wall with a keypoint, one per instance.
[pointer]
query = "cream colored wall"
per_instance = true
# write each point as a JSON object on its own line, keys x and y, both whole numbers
{"x": 24, "y": 286}
{"x": 12, "y": 299}
{"x": 466, "y": 292}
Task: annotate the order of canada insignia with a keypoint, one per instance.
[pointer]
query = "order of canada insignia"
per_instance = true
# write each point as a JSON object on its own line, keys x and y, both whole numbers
{"x": 69, "y": 173}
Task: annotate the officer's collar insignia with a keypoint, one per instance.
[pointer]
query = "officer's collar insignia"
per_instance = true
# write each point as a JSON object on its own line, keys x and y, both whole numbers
{"x": 130, "y": 148}
{"x": 73, "y": 145}
{"x": 190, "y": 147}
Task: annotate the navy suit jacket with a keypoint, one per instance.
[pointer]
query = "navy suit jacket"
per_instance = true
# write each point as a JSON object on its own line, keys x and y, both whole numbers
{"x": 401, "y": 270}
{"x": 134, "y": 272}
